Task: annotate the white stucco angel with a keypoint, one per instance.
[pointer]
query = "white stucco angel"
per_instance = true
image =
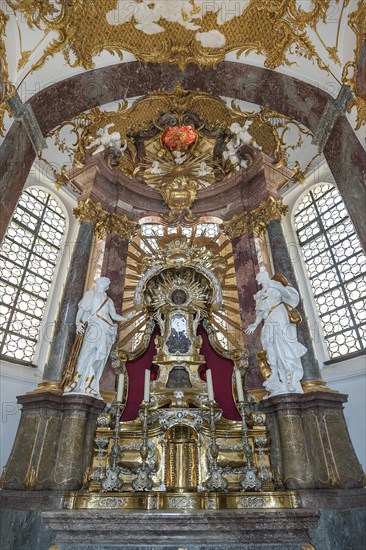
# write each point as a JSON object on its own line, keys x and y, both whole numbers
{"x": 242, "y": 136}
{"x": 204, "y": 169}
{"x": 179, "y": 157}
{"x": 231, "y": 154}
{"x": 95, "y": 321}
{"x": 278, "y": 336}
{"x": 106, "y": 139}
{"x": 155, "y": 168}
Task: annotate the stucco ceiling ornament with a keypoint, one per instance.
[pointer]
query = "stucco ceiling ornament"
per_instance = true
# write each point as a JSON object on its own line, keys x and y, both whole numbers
{"x": 4, "y": 75}
{"x": 154, "y": 129}
{"x": 177, "y": 31}
{"x": 357, "y": 22}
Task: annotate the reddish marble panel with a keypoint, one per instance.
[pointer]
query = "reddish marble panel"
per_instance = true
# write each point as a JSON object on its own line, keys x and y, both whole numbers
{"x": 247, "y": 267}
{"x": 114, "y": 267}
{"x": 16, "y": 158}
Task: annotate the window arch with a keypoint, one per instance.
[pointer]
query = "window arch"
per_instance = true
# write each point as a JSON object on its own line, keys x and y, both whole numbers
{"x": 336, "y": 265}
{"x": 28, "y": 257}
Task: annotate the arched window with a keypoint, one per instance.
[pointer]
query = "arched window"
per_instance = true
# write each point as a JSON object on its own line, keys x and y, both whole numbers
{"x": 336, "y": 266}
{"x": 28, "y": 257}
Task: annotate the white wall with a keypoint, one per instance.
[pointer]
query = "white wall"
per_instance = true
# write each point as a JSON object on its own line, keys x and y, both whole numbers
{"x": 349, "y": 377}
{"x": 14, "y": 380}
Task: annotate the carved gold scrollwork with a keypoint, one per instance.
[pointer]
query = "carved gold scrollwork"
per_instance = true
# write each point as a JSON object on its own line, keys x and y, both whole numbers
{"x": 104, "y": 222}
{"x": 84, "y": 29}
{"x": 256, "y": 220}
{"x": 357, "y": 22}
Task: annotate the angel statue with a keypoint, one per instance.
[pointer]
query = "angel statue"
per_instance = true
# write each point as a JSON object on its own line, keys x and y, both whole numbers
{"x": 274, "y": 302}
{"x": 96, "y": 333}
{"x": 242, "y": 136}
{"x": 231, "y": 154}
{"x": 105, "y": 139}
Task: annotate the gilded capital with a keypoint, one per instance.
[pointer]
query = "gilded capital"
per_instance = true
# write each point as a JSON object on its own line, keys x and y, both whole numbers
{"x": 256, "y": 220}
{"x": 104, "y": 222}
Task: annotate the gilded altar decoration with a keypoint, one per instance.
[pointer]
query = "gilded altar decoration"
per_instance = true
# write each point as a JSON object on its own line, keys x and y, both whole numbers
{"x": 179, "y": 142}
{"x": 357, "y": 22}
{"x": 180, "y": 453}
{"x": 256, "y": 220}
{"x": 105, "y": 223}
{"x": 179, "y": 138}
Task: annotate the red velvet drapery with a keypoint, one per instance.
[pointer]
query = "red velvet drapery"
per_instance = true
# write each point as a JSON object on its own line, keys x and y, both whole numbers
{"x": 221, "y": 374}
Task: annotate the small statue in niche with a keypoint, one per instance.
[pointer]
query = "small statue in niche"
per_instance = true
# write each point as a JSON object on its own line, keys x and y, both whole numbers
{"x": 97, "y": 332}
{"x": 278, "y": 336}
{"x": 242, "y": 136}
{"x": 105, "y": 139}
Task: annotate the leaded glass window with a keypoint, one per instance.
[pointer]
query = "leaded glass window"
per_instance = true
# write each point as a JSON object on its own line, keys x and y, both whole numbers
{"x": 336, "y": 265}
{"x": 28, "y": 257}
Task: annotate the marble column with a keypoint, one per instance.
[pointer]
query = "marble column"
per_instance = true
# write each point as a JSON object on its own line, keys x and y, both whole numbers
{"x": 16, "y": 158}
{"x": 246, "y": 268}
{"x": 64, "y": 331}
{"x": 114, "y": 267}
{"x": 283, "y": 264}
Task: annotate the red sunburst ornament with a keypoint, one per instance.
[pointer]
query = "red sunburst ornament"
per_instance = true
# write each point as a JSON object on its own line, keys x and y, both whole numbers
{"x": 179, "y": 138}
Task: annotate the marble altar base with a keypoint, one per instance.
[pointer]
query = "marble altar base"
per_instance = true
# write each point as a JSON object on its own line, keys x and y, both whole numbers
{"x": 168, "y": 527}
{"x": 54, "y": 442}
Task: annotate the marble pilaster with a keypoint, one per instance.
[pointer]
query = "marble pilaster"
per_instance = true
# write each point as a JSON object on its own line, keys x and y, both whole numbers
{"x": 114, "y": 267}
{"x": 246, "y": 268}
{"x": 346, "y": 159}
{"x": 282, "y": 263}
{"x": 64, "y": 331}
{"x": 16, "y": 158}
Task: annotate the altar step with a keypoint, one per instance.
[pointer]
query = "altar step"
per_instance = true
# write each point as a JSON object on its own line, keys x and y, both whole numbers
{"x": 191, "y": 530}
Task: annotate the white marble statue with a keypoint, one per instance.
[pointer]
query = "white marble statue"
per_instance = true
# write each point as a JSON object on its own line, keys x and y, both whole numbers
{"x": 106, "y": 139}
{"x": 242, "y": 136}
{"x": 231, "y": 154}
{"x": 95, "y": 320}
{"x": 278, "y": 336}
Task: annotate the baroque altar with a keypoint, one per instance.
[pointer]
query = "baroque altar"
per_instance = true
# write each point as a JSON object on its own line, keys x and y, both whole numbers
{"x": 181, "y": 452}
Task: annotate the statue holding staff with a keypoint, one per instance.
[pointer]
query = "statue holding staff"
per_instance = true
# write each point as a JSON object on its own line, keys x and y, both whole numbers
{"x": 274, "y": 306}
{"x": 96, "y": 334}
